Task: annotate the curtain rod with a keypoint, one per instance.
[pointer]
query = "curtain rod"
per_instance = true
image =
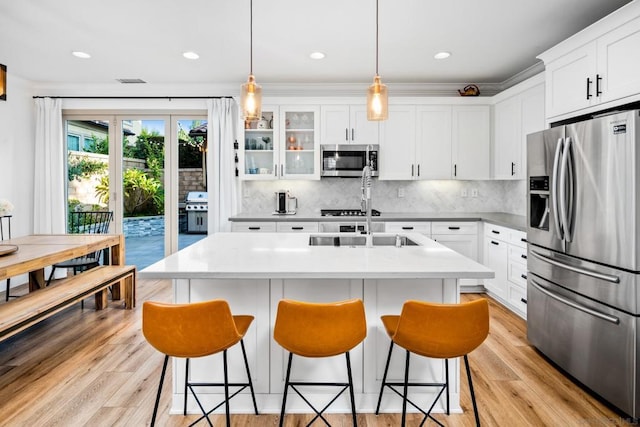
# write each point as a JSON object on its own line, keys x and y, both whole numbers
{"x": 134, "y": 97}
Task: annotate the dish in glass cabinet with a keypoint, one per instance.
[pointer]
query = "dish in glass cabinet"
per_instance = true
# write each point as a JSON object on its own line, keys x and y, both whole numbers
{"x": 8, "y": 249}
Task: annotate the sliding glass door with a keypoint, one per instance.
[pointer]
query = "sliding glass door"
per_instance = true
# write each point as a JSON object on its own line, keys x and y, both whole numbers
{"x": 143, "y": 168}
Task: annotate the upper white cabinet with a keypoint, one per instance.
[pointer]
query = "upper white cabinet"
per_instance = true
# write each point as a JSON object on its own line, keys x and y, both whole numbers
{"x": 597, "y": 65}
{"x": 396, "y": 159}
{"x": 471, "y": 141}
{"x": 514, "y": 118}
{"x": 435, "y": 142}
{"x": 347, "y": 124}
{"x": 283, "y": 146}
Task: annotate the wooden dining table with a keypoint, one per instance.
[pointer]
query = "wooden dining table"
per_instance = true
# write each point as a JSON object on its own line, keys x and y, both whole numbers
{"x": 37, "y": 251}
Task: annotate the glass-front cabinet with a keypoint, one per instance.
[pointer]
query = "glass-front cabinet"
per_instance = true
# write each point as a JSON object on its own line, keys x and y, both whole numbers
{"x": 260, "y": 156}
{"x": 284, "y": 144}
{"x": 300, "y": 142}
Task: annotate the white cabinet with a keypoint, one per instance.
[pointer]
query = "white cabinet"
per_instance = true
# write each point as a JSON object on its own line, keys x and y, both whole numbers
{"x": 297, "y": 227}
{"x": 423, "y": 227}
{"x": 396, "y": 159}
{"x": 435, "y": 142}
{"x": 471, "y": 142}
{"x": 598, "y": 65}
{"x": 505, "y": 252}
{"x": 257, "y": 226}
{"x": 514, "y": 118}
{"x": 288, "y": 149}
{"x": 347, "y": 124}
{"x": 462, "y": 237}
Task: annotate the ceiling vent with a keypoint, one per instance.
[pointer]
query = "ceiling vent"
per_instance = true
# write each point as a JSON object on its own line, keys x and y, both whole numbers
{"x": 131, "y": 80}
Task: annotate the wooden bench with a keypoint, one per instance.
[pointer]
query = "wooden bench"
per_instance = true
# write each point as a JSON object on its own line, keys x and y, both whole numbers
{"x": 19, "y": 314}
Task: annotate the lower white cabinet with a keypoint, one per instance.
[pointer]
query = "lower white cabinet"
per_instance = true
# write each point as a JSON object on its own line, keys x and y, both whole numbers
{"x": 462, "y": 237}
{"x": 263, "y": 226}
{"x": 505, "y": 252}
{"x": 297, "y": 227}
{"x": 423, "y": 227}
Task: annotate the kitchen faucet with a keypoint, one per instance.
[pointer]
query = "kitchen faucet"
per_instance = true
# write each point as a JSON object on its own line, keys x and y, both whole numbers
{"x": 365, "y": 202}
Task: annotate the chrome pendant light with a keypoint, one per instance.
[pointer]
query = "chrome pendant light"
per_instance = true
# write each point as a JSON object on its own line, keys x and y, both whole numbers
{"x": 251, "y": 94}
{"x": 377, "y": 95}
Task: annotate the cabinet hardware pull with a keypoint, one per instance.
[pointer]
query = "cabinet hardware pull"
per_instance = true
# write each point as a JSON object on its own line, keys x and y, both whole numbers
{"x": 407, "y": 228}
{"x": 254, "y": 228}
{"x": 346, "y": 134}
{"x": 523, "y": 240}
{"x": 523, "y": 256}
{"x": 588, "y": 88}
{"x": 495, "y": 231}
{"x": 275, "y": 170}
{"x": 523, "y": 300}
{"x": 454, "y": 228}
{"x": 281, "y": 170}
{"x": 495, "y": 243}
{"x": 598, "y": 80}
{"x": 297, "y": 228}
{"x": 513, "y": 165}
{"x": 524, "y": 276}
{"x": 353, "y": 134}
{"x": 411, "y": 170}
{"x": 455, "y": 170}
{"x": 418, "y": 170}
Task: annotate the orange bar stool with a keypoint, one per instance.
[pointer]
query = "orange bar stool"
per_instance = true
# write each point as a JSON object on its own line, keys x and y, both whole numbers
{"x": 441, "y": 331}
{"x": 196, "y": 330}
{"x": 319, "y": 330}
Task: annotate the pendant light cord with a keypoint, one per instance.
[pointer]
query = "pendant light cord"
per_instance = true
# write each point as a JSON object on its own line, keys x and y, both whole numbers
{"x": 376, "y": 37}
{"x": 251, "y": 36}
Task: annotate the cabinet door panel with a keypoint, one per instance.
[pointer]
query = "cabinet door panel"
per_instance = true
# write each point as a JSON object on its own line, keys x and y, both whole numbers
{"x": 507, "y": 138}
{"x": 533, "y": 120}
{"x": 619, "y": 61}
{"x": 567, "y": 81}
{"x": 363, "y": 131}
{"x": 471, "y": 142}
{"x": 334, "y": 124}
{"x": 397, "y": 144}
{"x": 495, "y": 257}
{"x": 433, "y": 142}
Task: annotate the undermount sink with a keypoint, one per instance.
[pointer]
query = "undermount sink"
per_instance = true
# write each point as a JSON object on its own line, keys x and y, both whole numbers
{"x": 359, "y": 240}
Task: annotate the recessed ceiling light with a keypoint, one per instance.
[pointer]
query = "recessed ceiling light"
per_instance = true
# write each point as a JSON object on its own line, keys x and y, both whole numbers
{"x": 191, "y": 55}
{"x": 83, "y": 55}
{"x": 442, "y": 55}
{"x": 317, "y": 55}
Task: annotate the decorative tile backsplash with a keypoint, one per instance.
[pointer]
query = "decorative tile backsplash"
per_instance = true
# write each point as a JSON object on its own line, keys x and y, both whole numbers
{"x": 419, "y": 196}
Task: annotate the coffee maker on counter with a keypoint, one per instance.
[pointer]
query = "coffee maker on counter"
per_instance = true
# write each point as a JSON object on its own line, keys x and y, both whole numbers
{"x": 286, "y": 204}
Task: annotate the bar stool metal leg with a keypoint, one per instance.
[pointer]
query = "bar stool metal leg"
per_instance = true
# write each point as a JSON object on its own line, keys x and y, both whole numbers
{"x": 186, "y": 383}
{"x": 473, "y": 396}
{"x": 406, "y": 390}
{"x": 226, "y": 388}
{"x": 384, "y": 377}
{"x": 446, "y": 380}
{"x": 353, "y": 400}
{"x": 155, "y": 407}
{"x": 286, "y": 388}
{"x": 246, "y": 365}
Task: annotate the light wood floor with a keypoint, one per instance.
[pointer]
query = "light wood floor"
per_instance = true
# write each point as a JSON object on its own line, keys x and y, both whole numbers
{"x": 88, "y": 368}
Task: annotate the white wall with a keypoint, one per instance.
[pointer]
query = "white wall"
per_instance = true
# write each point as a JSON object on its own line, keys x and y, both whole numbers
{"x": 17, "y": 140}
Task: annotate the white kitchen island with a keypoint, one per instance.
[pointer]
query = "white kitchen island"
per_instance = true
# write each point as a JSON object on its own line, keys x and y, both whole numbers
{"x": 253, "y": 271}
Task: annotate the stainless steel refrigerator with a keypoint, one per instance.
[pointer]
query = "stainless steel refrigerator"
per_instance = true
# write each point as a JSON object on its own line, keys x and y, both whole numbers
{"x": 583, "y": 218}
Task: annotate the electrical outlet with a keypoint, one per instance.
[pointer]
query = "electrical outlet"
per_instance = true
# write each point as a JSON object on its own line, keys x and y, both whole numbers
{"x": 463, "y": 193}
{"x": 400, "y": 192}
{"x": 474, "y": 192}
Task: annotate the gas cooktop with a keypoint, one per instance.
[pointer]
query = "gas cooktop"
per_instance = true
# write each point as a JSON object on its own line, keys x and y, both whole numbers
{"x": 347, "y": 212}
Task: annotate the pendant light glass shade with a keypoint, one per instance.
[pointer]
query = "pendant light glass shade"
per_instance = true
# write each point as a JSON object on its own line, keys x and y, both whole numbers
{"x": 251, "y": 99}
{"x": 377, "y": 101}
{"x": 3, "y": 82}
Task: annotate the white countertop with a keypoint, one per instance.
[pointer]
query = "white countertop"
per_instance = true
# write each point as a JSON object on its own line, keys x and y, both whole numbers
{"x": 288, "y": 255}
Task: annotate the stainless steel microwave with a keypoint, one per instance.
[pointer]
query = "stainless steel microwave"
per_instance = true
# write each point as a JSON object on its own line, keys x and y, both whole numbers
{"x": 348, "y": 159}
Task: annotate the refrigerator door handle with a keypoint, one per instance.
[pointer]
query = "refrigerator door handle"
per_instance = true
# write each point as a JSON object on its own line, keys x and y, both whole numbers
{"x": 579, "y": 270}
{"x": 575, "y": 305}
{"x": 566, "y": 189}
{"x": 554, "y": 189}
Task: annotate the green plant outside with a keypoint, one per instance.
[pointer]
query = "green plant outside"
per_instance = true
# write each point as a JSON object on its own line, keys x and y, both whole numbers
{"x": 143, "y": 194}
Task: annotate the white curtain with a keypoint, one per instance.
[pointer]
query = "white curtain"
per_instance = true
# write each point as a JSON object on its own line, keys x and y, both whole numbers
{"x": 222, "y": 184}
{"x": 49, "y": 179}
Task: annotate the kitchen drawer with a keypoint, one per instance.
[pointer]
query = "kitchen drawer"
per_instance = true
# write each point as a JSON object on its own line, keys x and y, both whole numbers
{"x": 423, "y": 227}
{"x": 518, "y": 254}
{"x": 517, "y": 273}
{"x": 518, "y": 298}
{"x": 264, "y": 227}
{"x": 297, "y": 227}
{"x": 497, "y": 232}
{"x": 518, "y": 238}
{"x": 454, "y": 228}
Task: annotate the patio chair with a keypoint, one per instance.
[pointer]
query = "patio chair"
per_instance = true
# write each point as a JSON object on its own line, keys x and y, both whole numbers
{"x": 94, "y": 222}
